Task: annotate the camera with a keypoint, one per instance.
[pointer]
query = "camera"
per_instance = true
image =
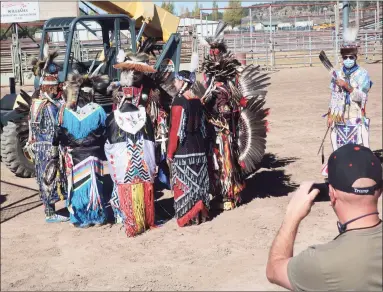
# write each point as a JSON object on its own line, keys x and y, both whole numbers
{"x": 323, "y": 195}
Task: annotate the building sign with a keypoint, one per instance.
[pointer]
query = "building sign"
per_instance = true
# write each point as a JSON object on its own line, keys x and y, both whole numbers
{"x": 19, "y": 12}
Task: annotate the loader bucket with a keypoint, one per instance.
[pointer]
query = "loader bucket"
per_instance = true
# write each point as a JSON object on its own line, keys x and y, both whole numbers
{"x": 162, "y": 24}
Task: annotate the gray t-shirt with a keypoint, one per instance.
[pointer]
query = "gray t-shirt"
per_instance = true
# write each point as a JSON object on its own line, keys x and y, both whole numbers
{"x": 352, "y": 261}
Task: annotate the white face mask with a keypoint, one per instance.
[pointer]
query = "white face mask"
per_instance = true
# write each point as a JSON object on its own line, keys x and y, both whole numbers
{"x": 349, "y": 63}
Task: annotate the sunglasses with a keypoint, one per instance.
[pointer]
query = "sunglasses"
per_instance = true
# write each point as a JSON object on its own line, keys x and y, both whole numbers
{"x": 348, "y": 57}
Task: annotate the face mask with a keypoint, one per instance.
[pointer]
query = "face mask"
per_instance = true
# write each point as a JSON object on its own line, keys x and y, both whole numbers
{"x": 349, "y": 63}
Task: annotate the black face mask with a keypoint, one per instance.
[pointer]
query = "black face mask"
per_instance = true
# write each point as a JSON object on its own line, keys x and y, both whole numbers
{"x": 343, "y": 227}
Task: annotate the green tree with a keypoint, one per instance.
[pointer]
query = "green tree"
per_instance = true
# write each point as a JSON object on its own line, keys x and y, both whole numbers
{"x": 233, "y": 16}
{"x": 169, "y": 6}
{"x": 196, "y": 10}
{"x": 214, "y": 14}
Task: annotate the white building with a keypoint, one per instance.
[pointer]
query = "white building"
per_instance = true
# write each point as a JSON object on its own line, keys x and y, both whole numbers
{"x": 304, "y": 23}
{"x": 258, "y": 26}
{"x": 207, "y": 28}
{"x": 284, "y": 25}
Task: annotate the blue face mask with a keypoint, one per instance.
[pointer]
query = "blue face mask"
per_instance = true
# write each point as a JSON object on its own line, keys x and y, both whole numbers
{"x": 348, "y": 63}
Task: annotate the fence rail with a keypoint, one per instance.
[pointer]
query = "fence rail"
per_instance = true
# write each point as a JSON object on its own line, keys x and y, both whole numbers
{"x": 280, "y": 49}
{"x": 283, "y": 49}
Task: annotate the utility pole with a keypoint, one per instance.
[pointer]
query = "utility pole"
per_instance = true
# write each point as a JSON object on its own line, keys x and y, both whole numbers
{"x": 251, "y": 30}
{"x": 346, "y": 9}
{"x": 200, "y": 18}
{"x": 271, "y": 41}
{"x": 377, "y": 13}
{"x": 336, "y": 9}
{"x": 311, "y": 61}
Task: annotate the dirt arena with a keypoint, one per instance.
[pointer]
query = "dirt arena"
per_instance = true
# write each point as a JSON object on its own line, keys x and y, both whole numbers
{"x": 227, "y": 253}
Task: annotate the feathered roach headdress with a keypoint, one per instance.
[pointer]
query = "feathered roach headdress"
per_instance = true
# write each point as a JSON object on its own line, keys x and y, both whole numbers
{"x": 136, "y": 61}
{"x": 223, "y": 67}
{"x": 350, "y": 46}
{"x": 37, "y": 66}
{"x": 48, "y": 70}
{"x": 216, "y": 43}
{"x": 80, "y": 88}
{"x": 189, "y": 78}
{"x": 133, "y": 66}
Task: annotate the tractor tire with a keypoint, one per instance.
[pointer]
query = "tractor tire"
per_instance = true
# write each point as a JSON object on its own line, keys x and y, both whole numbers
{"x": 13, "y": 139}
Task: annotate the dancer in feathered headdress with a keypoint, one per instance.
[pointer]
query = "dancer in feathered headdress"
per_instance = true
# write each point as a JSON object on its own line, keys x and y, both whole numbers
{"x": 186, "y": 150}
{"x": 234, "y": 103}
{"x": 134, "y": 67}
{"x": 130, "y": 145}
{"x": 43, "y": 108}
{"x": 80, "y": 136}
{"x": 349, "y": 93}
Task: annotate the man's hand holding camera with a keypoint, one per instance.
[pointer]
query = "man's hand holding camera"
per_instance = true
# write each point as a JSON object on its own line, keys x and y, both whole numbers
{"x": 301, "y": 203}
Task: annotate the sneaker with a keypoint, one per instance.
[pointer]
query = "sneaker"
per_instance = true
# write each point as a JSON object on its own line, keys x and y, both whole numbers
{"x": 56, "y": 219}
{"x": 82, "y": 225}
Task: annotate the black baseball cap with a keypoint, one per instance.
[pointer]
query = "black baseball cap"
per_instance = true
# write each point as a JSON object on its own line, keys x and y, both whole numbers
{"x": 350, "y": 163}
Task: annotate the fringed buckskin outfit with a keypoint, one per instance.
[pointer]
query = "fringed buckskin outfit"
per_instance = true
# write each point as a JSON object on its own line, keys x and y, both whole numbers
{"x": 42, "y": 122}
{"x": 81, "y": 137}
{"x": 130, "y": 148}
{"x": 347, "y": 108}
{"x": 130, "y": 153}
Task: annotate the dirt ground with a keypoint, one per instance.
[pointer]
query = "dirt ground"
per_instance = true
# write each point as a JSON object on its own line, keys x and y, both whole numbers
{"x": 227, "y": 253}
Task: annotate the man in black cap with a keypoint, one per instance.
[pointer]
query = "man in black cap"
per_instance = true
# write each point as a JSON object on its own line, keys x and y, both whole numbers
{"x": 353, "y": 260}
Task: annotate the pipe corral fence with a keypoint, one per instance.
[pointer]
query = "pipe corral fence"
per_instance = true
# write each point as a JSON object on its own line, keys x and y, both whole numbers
{"x": 272, "y": 49}
{"x": 295, "y": 39}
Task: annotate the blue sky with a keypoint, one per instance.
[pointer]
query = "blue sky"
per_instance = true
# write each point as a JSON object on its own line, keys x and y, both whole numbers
{"x": 189, "y": 4}
{"x": 205, "y": 4}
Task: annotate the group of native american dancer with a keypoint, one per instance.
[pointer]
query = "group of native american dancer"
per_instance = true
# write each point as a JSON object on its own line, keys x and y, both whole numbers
{"x": 201, "y": 138}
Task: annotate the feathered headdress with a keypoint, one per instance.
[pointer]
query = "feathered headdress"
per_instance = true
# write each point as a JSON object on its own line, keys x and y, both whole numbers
{"x": 48, "y": 70}
{"x": 45, "y": 65}
{"x": 217, "y": 41}
{"x": 223, "y": 67}
{"x": 190, "y": 77}
{"x": 136, "y": 61}
{"x": 37, "y": 66}
{"x": 80, "y": 88}
{"x": 350, "y": 34}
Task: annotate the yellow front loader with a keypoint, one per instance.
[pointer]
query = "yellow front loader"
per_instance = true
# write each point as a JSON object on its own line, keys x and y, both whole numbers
{"x": 141, "y": 19}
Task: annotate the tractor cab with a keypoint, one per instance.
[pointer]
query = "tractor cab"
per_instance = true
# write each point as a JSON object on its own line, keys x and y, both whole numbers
{"x": 84, "y": 44}
{"x": 93, "y": 41}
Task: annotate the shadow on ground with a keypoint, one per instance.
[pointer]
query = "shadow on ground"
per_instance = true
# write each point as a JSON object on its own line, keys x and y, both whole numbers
{"x": 19, "y": 207}
{"x": 269, "y": 181}
{"x": 3, "y": 198}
